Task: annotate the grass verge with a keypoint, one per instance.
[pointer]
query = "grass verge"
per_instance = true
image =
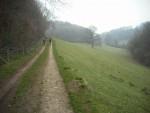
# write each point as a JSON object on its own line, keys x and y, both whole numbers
{"x": 27, "y": 97}
{"x": 35, "y": 70}
{"x": 9, "y": 69}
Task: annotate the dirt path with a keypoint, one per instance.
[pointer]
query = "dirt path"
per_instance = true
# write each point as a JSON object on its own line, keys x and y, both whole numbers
{"x": 4, "y": 90}
{"x": 54, "y": 96}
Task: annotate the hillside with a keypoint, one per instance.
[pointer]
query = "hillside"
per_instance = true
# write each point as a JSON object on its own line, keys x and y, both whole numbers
{"x": 119, "y": 37}
{"x": 69, "y": 32}
{"x": 103, "y": 80}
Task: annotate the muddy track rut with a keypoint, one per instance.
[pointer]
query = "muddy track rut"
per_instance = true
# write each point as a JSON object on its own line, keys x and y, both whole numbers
{"x": 11, "y": 82}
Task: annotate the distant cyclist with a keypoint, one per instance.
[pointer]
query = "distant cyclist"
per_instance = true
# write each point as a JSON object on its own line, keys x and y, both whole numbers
{"x": 44, "y": 41}
{"x": 50, "y": 40}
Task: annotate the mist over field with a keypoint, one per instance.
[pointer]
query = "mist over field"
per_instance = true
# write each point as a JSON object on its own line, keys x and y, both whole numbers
{"x": 74, "y": 56}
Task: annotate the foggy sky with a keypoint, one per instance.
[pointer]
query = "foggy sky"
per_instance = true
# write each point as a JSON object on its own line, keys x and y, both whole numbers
{"x": 105, "y": 14}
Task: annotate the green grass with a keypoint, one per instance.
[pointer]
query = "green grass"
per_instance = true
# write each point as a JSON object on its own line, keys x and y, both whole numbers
{"x": 28, "y": 89}
{"x": 109, "y": 80}
{"x": 30, "y": 75}
{"x": 7, "y": 70}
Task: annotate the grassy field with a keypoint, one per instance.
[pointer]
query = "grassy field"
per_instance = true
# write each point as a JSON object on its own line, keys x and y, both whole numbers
{"x": 103, "y": 79}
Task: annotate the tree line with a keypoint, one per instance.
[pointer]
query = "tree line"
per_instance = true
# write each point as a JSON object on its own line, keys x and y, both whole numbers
{"x": 69, "y": 32}
{"x": 119, "y": 37}
{"x": 136, "y": 40}
{"x": 22, "y": 23}
{"x": 74, "y": 33}
{"x": 139, "y": 46}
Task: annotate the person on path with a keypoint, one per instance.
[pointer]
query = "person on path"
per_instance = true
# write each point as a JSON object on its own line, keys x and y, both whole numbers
{"x": 44, "y": 41}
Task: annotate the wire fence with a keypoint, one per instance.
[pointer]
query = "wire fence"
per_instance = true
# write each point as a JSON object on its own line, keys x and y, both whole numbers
{"x": 7, "y": 54}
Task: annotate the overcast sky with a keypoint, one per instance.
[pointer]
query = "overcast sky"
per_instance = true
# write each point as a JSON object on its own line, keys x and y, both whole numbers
{"x": 105, "y": 14}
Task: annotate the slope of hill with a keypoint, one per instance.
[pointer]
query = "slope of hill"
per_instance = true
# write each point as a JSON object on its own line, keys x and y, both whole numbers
{"x": 103, "y": 80}
{"x": 69, "y": 32}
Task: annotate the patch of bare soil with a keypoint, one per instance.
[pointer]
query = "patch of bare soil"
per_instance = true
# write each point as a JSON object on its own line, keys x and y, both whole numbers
{"x": 46, "y": 95}
{"x": 7, "y": 92}
{"x": 30, "y": 102}
{"x": 54, "y": 98}
{"x": 18, "y": 74}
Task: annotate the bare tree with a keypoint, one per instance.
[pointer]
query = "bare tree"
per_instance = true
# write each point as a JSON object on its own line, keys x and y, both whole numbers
{"x": 92, "y": 32}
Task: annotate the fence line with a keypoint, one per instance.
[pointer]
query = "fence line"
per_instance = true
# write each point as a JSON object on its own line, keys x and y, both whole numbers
{"x": 7, "y": 54}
